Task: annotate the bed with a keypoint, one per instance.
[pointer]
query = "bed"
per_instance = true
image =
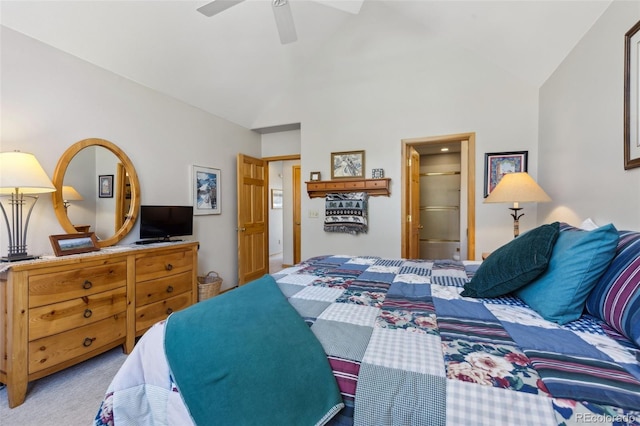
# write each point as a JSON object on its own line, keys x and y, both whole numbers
{"x": 407, "y": 342}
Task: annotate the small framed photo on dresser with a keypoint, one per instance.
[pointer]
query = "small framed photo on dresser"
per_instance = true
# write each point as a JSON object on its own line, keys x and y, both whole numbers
{"x": 81, "y": 242}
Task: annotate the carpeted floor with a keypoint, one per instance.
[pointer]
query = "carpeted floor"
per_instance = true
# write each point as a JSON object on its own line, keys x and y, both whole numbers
{"x": 70, "y": 397}
{"x": 275, "y": 263}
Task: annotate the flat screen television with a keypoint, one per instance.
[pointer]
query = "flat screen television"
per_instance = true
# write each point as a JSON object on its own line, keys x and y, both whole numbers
{"x": 161, "y": 223}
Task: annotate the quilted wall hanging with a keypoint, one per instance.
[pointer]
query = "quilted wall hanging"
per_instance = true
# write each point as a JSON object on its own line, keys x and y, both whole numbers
{"x": 346, "y": 213}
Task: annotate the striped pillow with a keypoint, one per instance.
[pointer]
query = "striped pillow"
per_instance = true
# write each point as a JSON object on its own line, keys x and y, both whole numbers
{"x": 616, "y": 297}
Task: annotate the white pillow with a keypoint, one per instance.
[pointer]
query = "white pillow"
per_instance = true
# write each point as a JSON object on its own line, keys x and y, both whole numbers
{"x": 588, "y": 224}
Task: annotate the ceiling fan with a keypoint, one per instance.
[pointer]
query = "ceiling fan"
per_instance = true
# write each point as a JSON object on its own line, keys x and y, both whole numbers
{"x": 281, "y": 11}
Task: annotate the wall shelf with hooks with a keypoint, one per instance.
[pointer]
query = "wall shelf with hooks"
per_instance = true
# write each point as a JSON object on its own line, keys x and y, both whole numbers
{"x": 374, "y": 187}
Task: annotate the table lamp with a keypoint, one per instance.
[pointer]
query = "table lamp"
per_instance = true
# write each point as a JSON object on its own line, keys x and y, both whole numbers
{"x": 21, "y": 176}
{"x": 517, "y": 188}
{"x": 69, "y": 193}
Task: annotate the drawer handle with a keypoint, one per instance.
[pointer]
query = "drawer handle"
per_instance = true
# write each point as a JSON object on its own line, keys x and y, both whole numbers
{"x": 87, "y": 342}
{"x": 170, "y": 289}
{"x": 87, "y": 285}
{"x": 169, "y": 267}
{"x": 88, "y": 313}
{"x": 169, "y": 311}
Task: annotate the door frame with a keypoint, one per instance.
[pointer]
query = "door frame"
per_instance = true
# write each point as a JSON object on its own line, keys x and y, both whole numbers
{"x": 467, "y": 158}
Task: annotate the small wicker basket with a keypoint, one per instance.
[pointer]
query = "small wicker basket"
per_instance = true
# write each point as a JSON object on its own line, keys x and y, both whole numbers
{"x": 209, "y": 285}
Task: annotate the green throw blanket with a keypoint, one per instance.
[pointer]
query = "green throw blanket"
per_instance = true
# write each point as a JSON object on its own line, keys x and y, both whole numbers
{"x": 246, "y": 357}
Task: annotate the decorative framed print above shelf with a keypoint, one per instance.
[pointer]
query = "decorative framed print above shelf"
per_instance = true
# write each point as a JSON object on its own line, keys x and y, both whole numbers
{"x": 347, "y": 165}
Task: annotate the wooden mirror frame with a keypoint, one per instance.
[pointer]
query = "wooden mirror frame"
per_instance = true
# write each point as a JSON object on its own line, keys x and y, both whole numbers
{"x": 58, "y": 179}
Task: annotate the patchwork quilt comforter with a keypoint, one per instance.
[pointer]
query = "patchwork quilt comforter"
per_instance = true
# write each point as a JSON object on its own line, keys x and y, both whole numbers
{"x": 406, "y": 349}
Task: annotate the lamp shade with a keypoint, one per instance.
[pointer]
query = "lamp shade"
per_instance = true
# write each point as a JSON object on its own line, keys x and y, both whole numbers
{"x": 69, "y": 193}
{"x": 21, "y": 171}
{"x": 517, "y": 188}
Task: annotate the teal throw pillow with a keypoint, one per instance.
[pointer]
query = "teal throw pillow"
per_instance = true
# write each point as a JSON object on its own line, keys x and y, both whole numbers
{"x": 578, "y": 261}
{"x": 515, "y": 264}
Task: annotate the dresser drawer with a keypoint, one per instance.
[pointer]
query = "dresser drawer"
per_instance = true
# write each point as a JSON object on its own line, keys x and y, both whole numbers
{"x": 354, "y": 185}
{"x": 382, "y": 183}
{"x": 316, "y": 186}
{"x": 81, "y": 281}
{"x": 151, "y": 266}
{"x": 58, "y": 348}
{"x": 334, "y": 185}
{"x": 162, "y": 288}
{"x": 150, "y": 314}
{"x": 70, "y": 314}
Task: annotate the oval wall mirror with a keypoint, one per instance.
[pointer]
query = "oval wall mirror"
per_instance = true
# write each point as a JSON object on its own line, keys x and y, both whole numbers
{"x": 97, "y": 191}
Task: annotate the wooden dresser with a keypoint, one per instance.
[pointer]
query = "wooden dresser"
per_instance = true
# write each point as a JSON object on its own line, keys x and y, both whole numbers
{"x": 57, "y": 312}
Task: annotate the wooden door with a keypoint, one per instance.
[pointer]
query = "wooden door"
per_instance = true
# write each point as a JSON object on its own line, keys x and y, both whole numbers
{"x": 253, "y": 233}
{"x": 414, "y": 226}
{"x": 123, "y": 196}
{"x": 296, "y": 214}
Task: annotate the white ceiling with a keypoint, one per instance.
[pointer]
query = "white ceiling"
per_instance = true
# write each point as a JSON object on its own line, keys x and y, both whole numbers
{"x": 234, "y": 66}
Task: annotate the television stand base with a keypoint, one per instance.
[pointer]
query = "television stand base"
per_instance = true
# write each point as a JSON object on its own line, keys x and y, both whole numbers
{"x": 139, "y": 242}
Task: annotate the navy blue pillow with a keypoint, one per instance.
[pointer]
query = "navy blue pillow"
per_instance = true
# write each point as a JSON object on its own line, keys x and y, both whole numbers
{"x": 515, "y": 264}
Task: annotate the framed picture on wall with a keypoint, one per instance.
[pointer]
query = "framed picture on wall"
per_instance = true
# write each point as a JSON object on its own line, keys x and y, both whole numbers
{"x": 105, "y": 186}
{"x": 631, "y": 98}
{"x": 205, "y": 189}
{"x": 347, "y": 164}
{"x": 276, "y": 198}
{"x": 498, "y": 164}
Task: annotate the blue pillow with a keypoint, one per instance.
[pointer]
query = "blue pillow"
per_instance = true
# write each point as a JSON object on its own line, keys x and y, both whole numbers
{"x": 578, "y": 260}
{"x": 515, "y": 264}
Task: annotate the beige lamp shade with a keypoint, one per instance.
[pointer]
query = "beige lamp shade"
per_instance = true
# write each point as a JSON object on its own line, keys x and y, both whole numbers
{"x": 21, "y": 172}
{"x": 69, "y": 193}
{"x": 517, "y": 188}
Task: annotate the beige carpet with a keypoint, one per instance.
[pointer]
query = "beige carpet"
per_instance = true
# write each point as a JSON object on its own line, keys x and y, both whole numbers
{"x": 70, "y": 397}
{"x": 275, "y": 263}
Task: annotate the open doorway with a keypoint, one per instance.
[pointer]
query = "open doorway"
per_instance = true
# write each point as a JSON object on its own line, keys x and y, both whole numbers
{"x": 417, "y": 210}
{"x": 284, "y": 211}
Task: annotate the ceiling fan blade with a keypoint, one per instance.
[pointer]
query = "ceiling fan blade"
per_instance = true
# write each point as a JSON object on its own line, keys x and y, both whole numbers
{"x": 217, "y": 6}
{"x": 284, "y": 21}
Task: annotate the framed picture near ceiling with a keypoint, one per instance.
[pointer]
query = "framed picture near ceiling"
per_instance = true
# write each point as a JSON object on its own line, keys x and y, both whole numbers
{"x": 348, "y": 164}
{"x": 631, "y": 97}
{"x": 205, "y": 189}
{"x": 498, "y": 164}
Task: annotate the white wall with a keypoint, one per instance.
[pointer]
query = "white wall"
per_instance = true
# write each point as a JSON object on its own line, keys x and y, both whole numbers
{"x": 279, "y": 144}
{"x": 51, "y": 100}
{"x": 379, "y": 89}
{"x": 581, "y": 130}
{"x": 368, "y": 94}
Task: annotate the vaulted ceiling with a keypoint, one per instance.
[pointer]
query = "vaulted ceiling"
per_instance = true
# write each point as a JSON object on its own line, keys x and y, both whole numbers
{"x": 234, "y": 66}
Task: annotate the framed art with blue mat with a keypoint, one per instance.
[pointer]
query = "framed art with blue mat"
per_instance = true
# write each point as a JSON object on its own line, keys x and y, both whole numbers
{"x": 498, "y": 164}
